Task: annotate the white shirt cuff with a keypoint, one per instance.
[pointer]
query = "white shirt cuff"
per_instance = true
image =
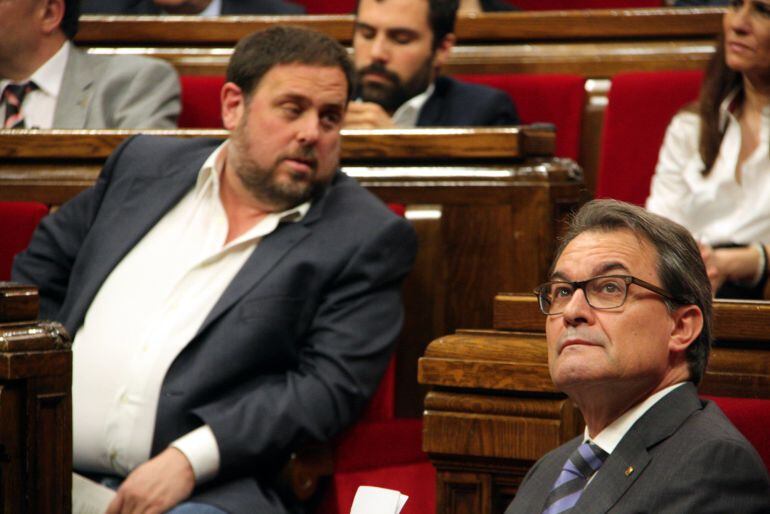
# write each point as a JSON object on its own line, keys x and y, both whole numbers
{"x": 201, "y": 449}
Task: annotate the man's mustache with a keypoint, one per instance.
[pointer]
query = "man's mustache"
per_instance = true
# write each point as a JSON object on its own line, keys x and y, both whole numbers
{"x": 379, "y": 69}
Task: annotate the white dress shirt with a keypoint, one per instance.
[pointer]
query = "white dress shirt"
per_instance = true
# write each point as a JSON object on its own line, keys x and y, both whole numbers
{"x": 213, "y": 9}
{"x": 145, "y": 313}
{"x": 715, "y": 208}
{"x": 609, "y": 438}
{"x": 39, "y": 105}
{"x": 408, "y": 113}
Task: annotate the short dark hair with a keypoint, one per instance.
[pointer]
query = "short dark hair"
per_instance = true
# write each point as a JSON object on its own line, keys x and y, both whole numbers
{"x": 680, "y": 266}
{"x": 69, "y": 22}
{"x": 258, "y": 52}
{"x": 442, "y": 15}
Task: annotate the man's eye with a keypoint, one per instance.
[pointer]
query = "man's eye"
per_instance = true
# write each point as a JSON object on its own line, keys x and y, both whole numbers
{"x": 291, "y": 109}
{"x": 403, "y": 39}
{"x": 331, "y": 120}
{"x": 366, "y": 32}
{"x": 561, "y": 291}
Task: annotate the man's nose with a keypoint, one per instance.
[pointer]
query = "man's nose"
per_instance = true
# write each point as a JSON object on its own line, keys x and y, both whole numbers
{"x": 578, "y": 310}
{"x": 380, "y": 48}
{"x": 309, "y": 128}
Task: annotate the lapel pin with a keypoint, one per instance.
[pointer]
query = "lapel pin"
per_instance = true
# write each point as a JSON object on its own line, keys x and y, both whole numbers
{"x": 629, "y": 470}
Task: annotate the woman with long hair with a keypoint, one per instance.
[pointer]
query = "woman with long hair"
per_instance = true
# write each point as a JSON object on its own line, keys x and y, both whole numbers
{"x": 713, "y": 173}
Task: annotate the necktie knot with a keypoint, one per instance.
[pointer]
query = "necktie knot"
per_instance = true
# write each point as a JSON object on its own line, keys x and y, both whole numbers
{"x": 13, "y": 97}
{"x": 578, "y": 469}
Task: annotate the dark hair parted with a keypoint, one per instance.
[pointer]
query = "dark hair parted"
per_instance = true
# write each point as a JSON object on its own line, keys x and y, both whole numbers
{"x": 718, "y": 82}
{"x": 680, "y": 267}
{"x": 257, "y": 53}
{"x": 69, "y": 22}
{"x": 442, "y": 15}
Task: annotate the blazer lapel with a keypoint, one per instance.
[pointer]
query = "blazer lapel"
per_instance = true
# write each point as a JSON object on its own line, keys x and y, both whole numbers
{"x": 75, "y": 92}
{"x": 631, "y": 456}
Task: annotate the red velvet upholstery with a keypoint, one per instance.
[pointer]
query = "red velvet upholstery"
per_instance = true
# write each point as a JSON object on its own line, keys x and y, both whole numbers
{"x": 328, "y": 6}
{"x": 552, "y": 98}
{"x": 549, "y": 5}
{"x": 17, "y": 222}
{"x": 200, "y": 101}
{"x": 752, "y": 417}
{"x": 641, "y": 105}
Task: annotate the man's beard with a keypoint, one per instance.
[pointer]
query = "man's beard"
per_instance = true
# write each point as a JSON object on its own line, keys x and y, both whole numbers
{"x": 263, "y": 183}
{"x": 392, "y": 94}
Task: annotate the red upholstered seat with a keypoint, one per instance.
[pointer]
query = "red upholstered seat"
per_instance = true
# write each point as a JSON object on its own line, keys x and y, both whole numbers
{"x": 548, "y": 5}
{"x": 752, "y": 417}
{"x": 17, "y": 222}
{"x": 200, "y": 101}
{"x": 640, "y": 107}
{"x": 328, "y": 6}
{"x": 551, "y": 98}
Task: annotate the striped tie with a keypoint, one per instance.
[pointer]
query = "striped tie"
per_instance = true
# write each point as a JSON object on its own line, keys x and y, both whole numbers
{"x": 13, "y": 97}
{"x": 581, "y": 465}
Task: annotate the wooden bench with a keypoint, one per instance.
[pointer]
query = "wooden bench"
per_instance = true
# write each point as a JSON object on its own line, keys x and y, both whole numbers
{"x": 595, "y": 44}
{"x": 492, "y": 410}
{"x": 35, "y": 408}
{"x": 487, "y": 205}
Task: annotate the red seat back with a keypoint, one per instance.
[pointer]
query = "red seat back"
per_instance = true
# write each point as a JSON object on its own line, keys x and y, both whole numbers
{"x": 200, "y": 101}
{"x": 549, "y": 5}
{"x": 328, "y": 6}
{"x": 17, "y": 222}
{"x": 752, "y": 418}
{"x": 548, "y": 98}
{"x": 641, "y": 105}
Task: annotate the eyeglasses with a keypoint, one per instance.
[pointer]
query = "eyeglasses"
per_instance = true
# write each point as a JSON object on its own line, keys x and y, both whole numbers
{"x": 758, "y": 9}
{"x": 603, "y": 292}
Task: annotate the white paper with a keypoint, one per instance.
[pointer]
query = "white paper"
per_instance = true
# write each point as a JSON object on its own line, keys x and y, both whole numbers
{"x": 89, "y": 497}
{"x": 376, "y": 500}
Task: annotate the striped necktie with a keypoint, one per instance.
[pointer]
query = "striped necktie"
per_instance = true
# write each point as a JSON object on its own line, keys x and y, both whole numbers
{"x": 579, "y": 468}
{"x": 13, "y": 97}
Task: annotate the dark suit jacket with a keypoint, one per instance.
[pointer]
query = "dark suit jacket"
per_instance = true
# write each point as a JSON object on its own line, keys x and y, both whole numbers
{"x": 686, "y": 457}
{"x": 292, "y": 349}
{"x": 228, "y": 7}
{"x": 459, "y": 104}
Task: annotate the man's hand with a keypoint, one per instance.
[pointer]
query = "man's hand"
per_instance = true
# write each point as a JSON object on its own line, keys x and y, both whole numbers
{"x": 367, "y": 115}
{"x": 155, "y": 486}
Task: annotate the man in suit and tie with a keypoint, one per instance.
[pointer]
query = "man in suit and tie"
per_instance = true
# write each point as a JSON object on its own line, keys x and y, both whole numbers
{"x": 229, "y": 301}
{"x": 628, "y": 326}
{"x": 399, "y": 47}
{"x": 46, "y": 82}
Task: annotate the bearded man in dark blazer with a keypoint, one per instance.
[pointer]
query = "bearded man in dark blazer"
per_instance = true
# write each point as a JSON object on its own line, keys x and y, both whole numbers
{"x": 628, "y": 327}
{"x": 229, "y": 301}
{"x": 399, "y": 48}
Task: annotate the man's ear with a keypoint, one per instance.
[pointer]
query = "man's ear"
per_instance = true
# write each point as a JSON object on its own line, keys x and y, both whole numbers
{"x": 443, "y": 50}
{"x": 51, "y": 14}
{"x": 688, "y": 323}
{"x": 233, "y": 104}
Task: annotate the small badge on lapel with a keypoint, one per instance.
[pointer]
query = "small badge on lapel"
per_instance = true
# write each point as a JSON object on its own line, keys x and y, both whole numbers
{"x": 629, "y": 470}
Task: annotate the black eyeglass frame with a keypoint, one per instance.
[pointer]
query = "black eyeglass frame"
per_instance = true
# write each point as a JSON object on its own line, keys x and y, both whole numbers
{"x": 581, "y": 284}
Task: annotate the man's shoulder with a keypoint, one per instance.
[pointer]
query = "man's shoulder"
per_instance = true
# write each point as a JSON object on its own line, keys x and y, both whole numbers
{"x": 449, "y": 86}
{"x": 347, "y": 198}
{"x": 124, "y": 65}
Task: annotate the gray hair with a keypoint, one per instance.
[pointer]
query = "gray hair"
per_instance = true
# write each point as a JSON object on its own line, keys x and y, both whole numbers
{"x": 680, "y": 267}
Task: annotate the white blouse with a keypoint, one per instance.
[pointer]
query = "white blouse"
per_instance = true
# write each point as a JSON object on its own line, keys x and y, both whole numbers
{"x": 715, "y": 208}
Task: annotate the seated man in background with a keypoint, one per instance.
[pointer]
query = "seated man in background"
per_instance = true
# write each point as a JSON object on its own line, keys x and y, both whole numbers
{"x": 196, "y": 7}
{"x": 48, "y": 83}
{"x": 399, "y": 47}
{"x": 629, "y": 331}
{"x": 229, "y": 301}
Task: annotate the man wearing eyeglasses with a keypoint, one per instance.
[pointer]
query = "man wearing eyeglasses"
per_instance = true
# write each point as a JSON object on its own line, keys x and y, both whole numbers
{"x": 628, "y": 326}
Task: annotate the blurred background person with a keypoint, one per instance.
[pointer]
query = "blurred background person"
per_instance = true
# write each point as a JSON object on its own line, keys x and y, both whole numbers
{"x": 713, "y": 172}
{"x": 48, "y": 83}
{"x": 195, "y": 7}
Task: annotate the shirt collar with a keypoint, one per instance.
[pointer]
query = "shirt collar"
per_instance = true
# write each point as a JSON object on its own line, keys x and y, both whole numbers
{"x": 609, "y": 438}
{"x": 213, "y": 9}
{"x": 406, "y": 115}
{"x": 49, "y": 76}
{"x": 208, "y": 177}
{"x": 729, "y": 105}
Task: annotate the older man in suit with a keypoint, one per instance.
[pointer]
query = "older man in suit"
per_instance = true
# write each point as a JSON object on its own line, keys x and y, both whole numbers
{"x": 46, "y": 82}
{"x": 628, "y": 331}
{"x": 399, "y": 47}
{"x": 230, "y": 301}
